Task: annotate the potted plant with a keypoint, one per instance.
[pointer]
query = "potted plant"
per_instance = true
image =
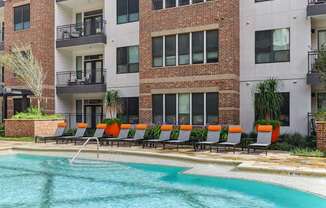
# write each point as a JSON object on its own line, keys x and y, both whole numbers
{"x": 113, "y": 107}
{"x": 268, "y": 106}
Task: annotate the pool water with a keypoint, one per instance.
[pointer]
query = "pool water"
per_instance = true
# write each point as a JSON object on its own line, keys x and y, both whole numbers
{"x": 50, "y": 182}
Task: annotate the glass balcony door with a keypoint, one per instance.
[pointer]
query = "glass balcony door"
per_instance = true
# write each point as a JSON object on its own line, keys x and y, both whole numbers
{"x": 94, "y": 71}
{"x": 93, "y": 115}
{"x": 93, "y": 25}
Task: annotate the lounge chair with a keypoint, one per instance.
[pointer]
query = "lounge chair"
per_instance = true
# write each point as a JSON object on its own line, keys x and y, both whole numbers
{"x": 213, "y": 137}
{"x": 234, "y": 138}
{"x": 183, "y": 138}
{"x": 264, "y": 138}
{"x": 164, "y": 136}
{"x": 123, "y": 134}
{"x": 81, "y": 129}
{"x": 139, "y": 135}
{"x": 58, "y": 133}
{"x": 99, "y": 133}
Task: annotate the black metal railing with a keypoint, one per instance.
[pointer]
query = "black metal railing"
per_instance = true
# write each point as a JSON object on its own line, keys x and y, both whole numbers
{"x": 313, "y": 60}
{"x": 89, "y": 77}
{"x": 311, "y": 125}
{"x": 310, "y": 2}
{"x": 91, "y": 119}
{"x": 79, "y": 30}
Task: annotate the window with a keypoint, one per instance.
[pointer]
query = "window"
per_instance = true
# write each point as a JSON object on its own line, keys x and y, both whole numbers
{"x": 183, "y": 2}
{"x": 127, "y": 60}
{"x": 157, "y": 108}
{"x": 321, "y": 39}
{"x": 197, "y": 1}
{"x": 157, "y": 51}
{"x": 186, "y": 108}
{"x": 196, "y": 39}
{"x": 198, "y": 108}
{"x": 212, "y": 108}
{"x": 170, "y": 3}
{"x": 170, "y": 50}
{"x": 273, "y": 46}
{"x": 129, "y": 110}
{"x": 79, "y": 67}
{"x": 127, "y": 11}
{"x": 321, "y": 101}
{"x": 184, "y": 48}
{"x": 197, "y": 47}
{"x": 22, "y": 17}
{"x": 170, "y": 108}
{"x": 157, "y": 4}
{"x": 212, "y": 46}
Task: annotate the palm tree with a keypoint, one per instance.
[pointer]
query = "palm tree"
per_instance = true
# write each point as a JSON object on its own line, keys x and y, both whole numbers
{"x": 28, "y": 70}
{"x": 267, "y": 100}
{"x": 112, "y": 99}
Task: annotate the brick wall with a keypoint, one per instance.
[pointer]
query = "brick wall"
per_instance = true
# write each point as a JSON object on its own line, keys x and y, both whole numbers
{"x": 40, "y": 36}
{"x": 23, "y": 128}
{"x": 222, "y": 77}
{"x": 321, "y": 135}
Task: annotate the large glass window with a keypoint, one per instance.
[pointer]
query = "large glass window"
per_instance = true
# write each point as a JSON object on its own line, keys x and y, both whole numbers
{"x": 170, "y": 3}
{"x": 170, "y": 109}
{"x": 212, "y": 104}
{"x": 157, "y": 4}
{"x": 127, "y": 60}
{"x": 183, "y": 49}
{"x": 272, "y": 46}
{"x": 184, "y": 108}
{"x": 129, "y": 110}
{"x": 127, "y": 11}
{"x": 322, "y": 39}
{"x": 157, "y": 51}
{"x": 157, "y": 108}
{"x": 170, "y": 50}
{"x": 22, "y": 17}
{"x": 197, "y": 47}
{"x": 198, "y": 108}
{"x": 212, "y": 46}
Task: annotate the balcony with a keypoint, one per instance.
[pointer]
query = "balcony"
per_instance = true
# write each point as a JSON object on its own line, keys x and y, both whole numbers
{"x": 316, "y": 8}
{"x": 92, "y": 32}
{"x": 92, "y": 81}
{"x": 314, "y": 66}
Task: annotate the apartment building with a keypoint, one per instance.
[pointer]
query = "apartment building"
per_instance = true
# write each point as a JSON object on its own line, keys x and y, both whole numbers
{"x": 172, "y": 61}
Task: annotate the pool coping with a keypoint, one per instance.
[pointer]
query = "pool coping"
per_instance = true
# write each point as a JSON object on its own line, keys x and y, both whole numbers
{"x": 240, "y": 169}
{"x": 240, "y": 165}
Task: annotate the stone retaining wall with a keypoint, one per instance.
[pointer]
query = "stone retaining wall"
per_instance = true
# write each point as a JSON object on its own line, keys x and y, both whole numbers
{"x": 30, "y": 128}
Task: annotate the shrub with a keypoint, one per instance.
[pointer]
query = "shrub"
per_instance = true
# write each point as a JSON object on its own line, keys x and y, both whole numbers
{"x": 198, "y": 134}
{"x": 110, "y": 121}
{"x": 308, "y": 152}
{"x": 288, "y": 142}
{"x": 152, "y": 132}
{"x": 274, "y": 123}
{"x": 131, "y": 133}
{"x": 34, "y": 113}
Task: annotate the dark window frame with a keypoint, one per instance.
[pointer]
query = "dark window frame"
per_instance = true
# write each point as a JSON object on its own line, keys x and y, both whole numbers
{"x": 21, "y": 9}
{"x": 127, "y": 60}
{"x": 127, "y": 12}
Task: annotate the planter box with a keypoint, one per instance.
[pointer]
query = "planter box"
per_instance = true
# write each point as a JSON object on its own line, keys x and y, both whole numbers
{"x": 30, "y": 128}
{"x": 321, "y": 135}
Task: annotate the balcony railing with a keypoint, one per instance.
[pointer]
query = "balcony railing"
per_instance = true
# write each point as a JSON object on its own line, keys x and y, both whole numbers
{"x": 311, "y": 125}
{"x": 311, "y": 2}
{"x": 79, "y": 30}
{"x": 73, "y": 78}
{"x": 314, "y": 65}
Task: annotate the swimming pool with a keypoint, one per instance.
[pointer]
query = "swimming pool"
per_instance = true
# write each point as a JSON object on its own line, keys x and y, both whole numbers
{"x": 51, "y": 182}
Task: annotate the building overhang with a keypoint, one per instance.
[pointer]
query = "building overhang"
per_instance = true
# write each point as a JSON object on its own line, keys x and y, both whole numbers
{"x": 81, "y": 89}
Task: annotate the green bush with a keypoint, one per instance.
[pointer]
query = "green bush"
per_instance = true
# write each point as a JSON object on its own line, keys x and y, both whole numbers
{"x": 34, "y": 113}
{"x": 274, "y": 123}
{"x": 152, "y": 132}
{"x": 110, "y": 121}
{"x": 288, "y": 142}
{"x": 307, "y": 152}
{"x": 70, "y": 131}
{"x": 131, "y": 133}
{"x": 198, "y": 134}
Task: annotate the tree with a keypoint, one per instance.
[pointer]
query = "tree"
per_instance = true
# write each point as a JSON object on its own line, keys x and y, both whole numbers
{"x": 267, "y": 100}
{"x": 28, "y": 70}
{"x": 320, "y": 64}
{"x": 112, "y": 99}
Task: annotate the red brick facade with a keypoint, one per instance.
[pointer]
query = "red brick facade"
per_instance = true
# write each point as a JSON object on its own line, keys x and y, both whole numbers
{"x": 222, "y": 77}
{"x": 321, "y": 135}
{"x": 23, "y": 128}
{"x": 40, "y": 36}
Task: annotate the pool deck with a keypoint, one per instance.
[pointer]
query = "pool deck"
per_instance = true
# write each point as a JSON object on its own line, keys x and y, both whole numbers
{"x": 304, "y": 173}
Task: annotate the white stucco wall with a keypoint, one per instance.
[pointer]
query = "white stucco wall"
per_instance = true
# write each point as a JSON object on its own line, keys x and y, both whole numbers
{"x": 268, "y": 15}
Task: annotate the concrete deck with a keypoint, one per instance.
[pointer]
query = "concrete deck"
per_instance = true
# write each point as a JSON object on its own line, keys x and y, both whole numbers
{"x": 307, "y": 174}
